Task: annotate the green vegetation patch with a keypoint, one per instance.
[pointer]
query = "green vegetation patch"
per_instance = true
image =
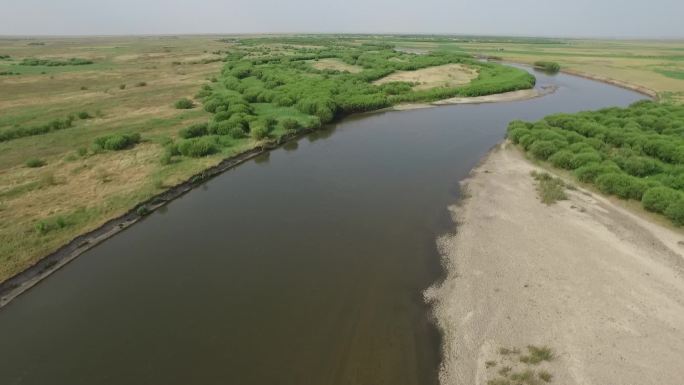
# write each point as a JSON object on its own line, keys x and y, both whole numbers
{"x": 116, "y": 142}
{"x": 20, "y": 132}
{"x": 674, "y": 74}
{"x": 633, "y": 153}
{"x": 550, "y": 189}
{"x": 33, "y": 62}
{"x": 547, "y": 66}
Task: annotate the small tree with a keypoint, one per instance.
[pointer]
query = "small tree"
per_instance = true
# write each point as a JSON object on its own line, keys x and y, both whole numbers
{"x": 184, "y": 104}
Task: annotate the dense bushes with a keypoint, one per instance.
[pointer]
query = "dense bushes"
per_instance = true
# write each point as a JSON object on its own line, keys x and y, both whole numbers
{"x": 633, "y": 153}
{"x": 54, "y": 62}
{"x": 194, "y": 131}
{"x": 198, "y": 147}
{"x": 265, "y": 94}
{"x": 20, "y": 132}
{"x": 116, "y": 142}
{"x": 547, "y": 66}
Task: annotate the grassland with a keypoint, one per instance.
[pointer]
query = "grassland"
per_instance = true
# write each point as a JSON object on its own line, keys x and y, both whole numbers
{"x": 656, "y": 66}
{"x": 91, "y": 127}
{"x": 76, "y": 189}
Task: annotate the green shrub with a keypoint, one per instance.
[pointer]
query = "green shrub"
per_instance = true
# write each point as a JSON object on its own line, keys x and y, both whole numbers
{"x": 198, "y": 147}
{"x": 196, "y": 130}
{"x": 290, "y": 124}
{"x": 84, "y": 115}
{"x": 237, "y": 132}
{"x": 259, "y": 133}
{"x": 117, "y": 142}
{"x": 589, "y": 172}
{"x": 20, "y": 132}
{"x": 34, "y": 163}
{"x": 141, "y": 84}
{"x": 562, "y": 159}
{"x": 584, "y": 158}
{"x": 675, "y": 212}
{"x": 47, "y": 225}
{"x": 54, "y": 62}
{"x": 548, "y": 66}
{"x": 542, "y": 149}
{"x": 122, "y": 86}
{"x": 658, "y": 199}
{"x": 184, "y": 104}
{"x": 622, "y": 185}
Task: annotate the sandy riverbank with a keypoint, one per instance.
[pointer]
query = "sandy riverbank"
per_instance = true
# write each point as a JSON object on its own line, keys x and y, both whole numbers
{"x": 599, "y": 285}
{"x": 495, "y": 98}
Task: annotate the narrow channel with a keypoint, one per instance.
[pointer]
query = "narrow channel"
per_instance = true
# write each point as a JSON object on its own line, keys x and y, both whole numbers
{"x": 304, "y": 266}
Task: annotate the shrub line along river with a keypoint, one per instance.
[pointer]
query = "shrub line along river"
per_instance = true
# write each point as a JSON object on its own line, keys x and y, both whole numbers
{"x": 305, "y": 265}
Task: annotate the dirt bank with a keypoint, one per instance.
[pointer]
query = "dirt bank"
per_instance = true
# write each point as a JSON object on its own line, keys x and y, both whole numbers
{"x": 27, "y": 279}
{"x": 599, "y": 285}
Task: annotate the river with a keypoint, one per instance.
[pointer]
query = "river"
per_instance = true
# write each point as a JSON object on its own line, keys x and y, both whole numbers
{"x": 303, "y": 266}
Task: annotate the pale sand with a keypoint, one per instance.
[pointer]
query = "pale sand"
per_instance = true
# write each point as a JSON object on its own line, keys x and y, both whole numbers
{"x": 495, "y": 98}
{"x": 600, "y": 285}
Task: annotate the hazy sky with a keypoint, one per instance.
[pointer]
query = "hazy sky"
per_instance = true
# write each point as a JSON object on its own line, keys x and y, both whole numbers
{"x": 606, "y": 18}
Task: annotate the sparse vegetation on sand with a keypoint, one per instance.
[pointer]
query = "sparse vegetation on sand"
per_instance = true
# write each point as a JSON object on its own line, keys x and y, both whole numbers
{"x": 633, "y": 153}
{"x": 518, "y": 369}
{"x": 550, "y": 189}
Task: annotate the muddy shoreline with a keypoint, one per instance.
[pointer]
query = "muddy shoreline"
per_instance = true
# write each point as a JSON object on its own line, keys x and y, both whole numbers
{"x": 25, "y": 280}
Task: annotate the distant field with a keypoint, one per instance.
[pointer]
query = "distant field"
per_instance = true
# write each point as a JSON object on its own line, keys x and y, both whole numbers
{"x": 655, "y": 65}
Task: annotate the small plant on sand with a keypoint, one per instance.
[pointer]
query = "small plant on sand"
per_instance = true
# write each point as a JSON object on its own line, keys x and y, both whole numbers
{"x": 551, "y": 189}
{"x": 490, "y": 364}
{"x": 545, "y": 376}
{"x": 524, "y": 377}
{"x": 537, "y": 354}
{"x": 504, "y": 371}
{"x": 499, "y": 381}
{"x": 507, "y": 351}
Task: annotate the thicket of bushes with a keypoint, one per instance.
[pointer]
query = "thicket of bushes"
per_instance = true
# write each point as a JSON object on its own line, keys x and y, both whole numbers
{"x": 116, "y": 142}
{"x": 20, "y": 132}
{"x": 54, "y": 62}
{"x": 262, "y": 93}
{"x": 633, "y": 153}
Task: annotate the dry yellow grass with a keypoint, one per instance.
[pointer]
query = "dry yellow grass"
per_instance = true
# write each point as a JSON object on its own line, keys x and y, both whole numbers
{"x": 89, "y": 190}
{"x": 335, "y": 64}
{"x": 448, "y": 75}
